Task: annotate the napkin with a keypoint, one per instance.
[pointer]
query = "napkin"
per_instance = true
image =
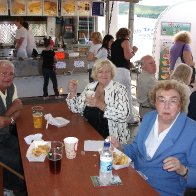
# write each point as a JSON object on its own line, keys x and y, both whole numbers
{"x": 28, "y": 139}
{"x": 93, "y": 145}
{"x": 58, "y": 121}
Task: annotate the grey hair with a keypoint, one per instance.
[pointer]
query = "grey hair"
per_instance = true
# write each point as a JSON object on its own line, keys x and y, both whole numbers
{"x": 4, "y": 63}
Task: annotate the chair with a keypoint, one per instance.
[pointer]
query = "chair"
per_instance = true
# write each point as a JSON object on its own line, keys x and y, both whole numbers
{"x": 2, "y": 167}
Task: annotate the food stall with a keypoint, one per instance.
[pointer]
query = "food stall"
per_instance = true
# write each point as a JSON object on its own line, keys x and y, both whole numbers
{"x": 68, "y": 22}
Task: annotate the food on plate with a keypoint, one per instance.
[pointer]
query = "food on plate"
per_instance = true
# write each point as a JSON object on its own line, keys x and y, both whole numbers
{"x": 119, "y": 159}
{"x": 40, "y": 149}
{"x": 165, "y": 76}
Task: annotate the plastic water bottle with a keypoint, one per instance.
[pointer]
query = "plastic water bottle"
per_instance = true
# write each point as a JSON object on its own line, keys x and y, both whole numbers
{"x": 106, "y": 159}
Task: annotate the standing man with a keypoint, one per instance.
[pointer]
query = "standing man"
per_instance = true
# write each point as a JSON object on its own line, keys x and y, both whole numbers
{"x": 10, "y": 108}
{"x": 31, "y": 45}
{"x": 21, "y": 39}
{"x": 145, "y": 83}
{"x": 121, "y": 53}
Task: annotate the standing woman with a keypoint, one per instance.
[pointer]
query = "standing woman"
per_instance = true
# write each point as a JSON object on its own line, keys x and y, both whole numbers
{"x": 96, "y": 39}
{"x": 181, "y": 48}
{"x": 121, "y": 53}
{"x": 105, "y": 51}
{"x": 48, "y": 69}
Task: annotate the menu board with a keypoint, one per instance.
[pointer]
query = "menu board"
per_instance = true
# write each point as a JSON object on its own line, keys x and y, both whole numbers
{"x": 164, "y": 60}
{"x": 68, "y": 8}
{"x": 18, "y": 8}
{"x": 3, "y": 7}
{"x": 50, "y": 8}
{"x": 83, "y": 8}
{"x": 34, "y": 7}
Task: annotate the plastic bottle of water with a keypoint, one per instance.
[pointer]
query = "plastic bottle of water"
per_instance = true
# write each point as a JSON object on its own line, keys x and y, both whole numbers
{"x": 106, "y": 159}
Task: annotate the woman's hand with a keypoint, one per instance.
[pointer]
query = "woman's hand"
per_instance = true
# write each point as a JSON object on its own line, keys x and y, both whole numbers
{"x": 72, "y": 88}
{"x": 115, "y": 143}
{"x": 173, "y": 164}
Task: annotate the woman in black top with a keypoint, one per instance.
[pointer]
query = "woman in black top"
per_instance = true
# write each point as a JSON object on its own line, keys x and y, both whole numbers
{"x": 48, "y": 69}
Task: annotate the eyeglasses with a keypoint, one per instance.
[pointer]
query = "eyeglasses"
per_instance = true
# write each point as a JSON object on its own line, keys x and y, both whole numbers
{"x": 4, "y": 75}
{"x": 172, "y": 101}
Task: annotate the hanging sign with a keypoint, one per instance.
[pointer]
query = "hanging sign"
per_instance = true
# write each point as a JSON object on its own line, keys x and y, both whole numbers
{"x": 68, "y": 8}
{"x": 50, "y": 8}
{"x": 97, "y": 8}
{"x": 83, "y": 8}
{"x": 34, "y": 8}
{"x": 3, "y": 7}
{"x": 171, "y": 28}
{"x": 18, "y": 8}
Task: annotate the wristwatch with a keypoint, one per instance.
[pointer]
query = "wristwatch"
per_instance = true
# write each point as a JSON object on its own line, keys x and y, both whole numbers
{"x": 12, "y": 121}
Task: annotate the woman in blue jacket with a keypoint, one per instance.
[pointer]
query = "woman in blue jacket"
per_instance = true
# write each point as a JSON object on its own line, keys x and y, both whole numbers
{"x": 164, "y": 149}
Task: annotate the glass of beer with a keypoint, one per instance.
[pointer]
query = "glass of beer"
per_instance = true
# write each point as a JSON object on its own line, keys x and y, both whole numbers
{"x": 54, "y": 156}
{"x": 37, "y": 112}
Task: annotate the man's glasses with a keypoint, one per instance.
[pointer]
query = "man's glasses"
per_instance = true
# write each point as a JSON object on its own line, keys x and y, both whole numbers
{"x": 172, "y": 101}
{"x": 4, "y": 75}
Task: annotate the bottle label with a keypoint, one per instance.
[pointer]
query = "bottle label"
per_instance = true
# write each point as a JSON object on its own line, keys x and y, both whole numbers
{"x": 106, "y": 165}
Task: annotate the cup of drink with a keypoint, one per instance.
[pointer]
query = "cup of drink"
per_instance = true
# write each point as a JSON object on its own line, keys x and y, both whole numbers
{"x": 90, "y": 93}
{"x": 54, "y": 156}
{"x": 37, "y": 112}
{"x": 71, "y": 145}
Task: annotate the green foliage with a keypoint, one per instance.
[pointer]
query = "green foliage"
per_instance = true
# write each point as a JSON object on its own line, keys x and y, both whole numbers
{"x": 142, "y": 10}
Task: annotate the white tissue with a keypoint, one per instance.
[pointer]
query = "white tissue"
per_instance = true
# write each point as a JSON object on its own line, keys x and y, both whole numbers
{"x": 57, "y": 121}
{"x": 28, "y": 139}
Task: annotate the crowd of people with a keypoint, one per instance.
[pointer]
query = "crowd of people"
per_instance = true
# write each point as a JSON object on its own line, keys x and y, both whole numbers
{"x": 164, "y": 148}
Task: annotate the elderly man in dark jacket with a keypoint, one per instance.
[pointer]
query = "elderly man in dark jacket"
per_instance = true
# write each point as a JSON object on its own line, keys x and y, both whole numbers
{"x": 10, "y": 107}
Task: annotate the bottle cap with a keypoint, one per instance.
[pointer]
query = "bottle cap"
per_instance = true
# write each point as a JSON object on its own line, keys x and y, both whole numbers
{"x": 106, "y": 143}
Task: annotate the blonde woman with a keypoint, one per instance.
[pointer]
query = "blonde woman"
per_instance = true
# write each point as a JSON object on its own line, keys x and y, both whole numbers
{"x": 183, "y": 73}
{"x": 181, "y": 48}
{"x": 108, "y": 109}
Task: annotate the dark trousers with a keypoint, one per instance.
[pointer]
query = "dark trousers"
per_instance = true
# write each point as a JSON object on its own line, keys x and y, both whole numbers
{"x": 90, "y": 78}
{"x": 10, "y": 156}
{"x": 50, "y": 74}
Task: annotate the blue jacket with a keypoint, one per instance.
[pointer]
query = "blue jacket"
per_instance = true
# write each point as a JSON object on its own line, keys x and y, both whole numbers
{"x": 180, "y": 142}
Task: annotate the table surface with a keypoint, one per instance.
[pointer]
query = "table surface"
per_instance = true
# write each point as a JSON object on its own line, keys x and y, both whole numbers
{"x": 74, "y": 178}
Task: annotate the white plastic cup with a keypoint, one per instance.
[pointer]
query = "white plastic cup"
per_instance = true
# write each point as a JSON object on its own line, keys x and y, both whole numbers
{"x": 90, "y": 93}
{"x": 71, "y": 145}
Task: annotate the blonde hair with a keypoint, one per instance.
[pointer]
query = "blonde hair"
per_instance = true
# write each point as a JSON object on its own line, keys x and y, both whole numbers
{"x": 100, "y": 64}
{"x": 183, "y": 36}
{"x": 169, "y": 85}
{"x": 97, "y": 37}
{"x": 182, "y": 73}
